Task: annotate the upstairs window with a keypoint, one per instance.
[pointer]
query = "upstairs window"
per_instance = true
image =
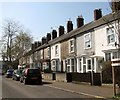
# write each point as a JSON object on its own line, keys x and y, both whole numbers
{"x": 108, "y": 56}
{"x": 71, "y": 45}
{"x": 41, "y": 54}
{"x": 56, "y": 50}
{"x": 110, "y": 35}
{"x": 87, "y": 41}
{"x": 48, "y": 52}
{"x": 36, "y": 55}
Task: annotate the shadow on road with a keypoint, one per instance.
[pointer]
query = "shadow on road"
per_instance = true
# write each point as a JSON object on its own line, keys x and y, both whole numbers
{"x": 43, "y": 83}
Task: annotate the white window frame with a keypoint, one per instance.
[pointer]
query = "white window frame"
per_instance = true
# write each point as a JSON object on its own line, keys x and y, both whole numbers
{"x": 36, "y": 55}
{"x": 48, "y": 52}
{"x": 90, "y": 64}
{"x": 112, "y": 55}
{"x": 54, "y": 65}
{"x": 107, "y": 58}
{"x": 80, "y": 64}
{"x": 68, "y": 65}
{"x": 110, "y": 34}
{"x": 41, "y": 54}
{"x": 73, "y": 64}
{"x": 84, "y": 64}
{"x": 87, "y": 41}
{"x": 56, "y": 50}
{"x": 71, "y": 45}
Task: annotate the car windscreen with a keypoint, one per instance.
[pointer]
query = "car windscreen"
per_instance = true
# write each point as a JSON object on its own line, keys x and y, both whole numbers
{"x": 19, "y": 71}
{"x": 10, "y": 71}
{"x": 33, "y": 71}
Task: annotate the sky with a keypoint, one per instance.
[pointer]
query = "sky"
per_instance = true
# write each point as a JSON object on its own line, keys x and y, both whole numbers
{"x": 41, "y": 17}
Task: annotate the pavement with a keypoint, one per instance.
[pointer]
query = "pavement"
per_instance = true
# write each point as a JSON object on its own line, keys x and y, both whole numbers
{"x": 104, "y": 91}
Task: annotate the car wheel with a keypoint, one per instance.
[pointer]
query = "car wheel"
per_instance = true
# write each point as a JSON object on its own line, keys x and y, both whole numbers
{"x": 39, "y": 82}
{"x": 17, "y": 79}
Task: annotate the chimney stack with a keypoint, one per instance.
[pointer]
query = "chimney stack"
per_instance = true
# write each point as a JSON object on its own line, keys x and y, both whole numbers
{"x": 48, "y": 37}
{"x": 80, "y": 21}
{"x": 39, "y": 43}
{"x": 97, "y": 14}
{"x": 33, "y": 46}
{"x": 61, "y": 30}
{"x": 43, "y": 40}
{"x": 36, "y": 44}
{"x": 54, "y": 34}
{"x": 69, "y": 26}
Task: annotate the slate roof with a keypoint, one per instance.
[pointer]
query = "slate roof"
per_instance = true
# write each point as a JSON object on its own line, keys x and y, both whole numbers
{"x": 85, "y": 28}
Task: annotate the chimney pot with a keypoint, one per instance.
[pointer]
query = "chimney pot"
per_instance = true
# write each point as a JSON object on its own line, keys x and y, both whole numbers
{"x": 80, "y": 21}
{"x": 48, "y": 37}
{"x": 69, "y": 26}
{"x": 97, "y": 14}
{"x": 61, "y": 30}
{"x": 54, "y": 34}
{"x": 43, "y": 40}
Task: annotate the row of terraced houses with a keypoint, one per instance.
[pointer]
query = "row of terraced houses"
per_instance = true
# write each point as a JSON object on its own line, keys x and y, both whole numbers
{"x": 77, "y": 50}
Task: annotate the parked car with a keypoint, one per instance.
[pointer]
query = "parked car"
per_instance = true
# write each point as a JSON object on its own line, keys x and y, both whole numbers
{"x": 16, "y": 74}
{"x": 9, "y": 73}
{"x": 31, "y": 75}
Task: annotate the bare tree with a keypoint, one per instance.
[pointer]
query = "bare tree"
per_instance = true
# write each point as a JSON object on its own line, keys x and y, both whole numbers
{"x": 10, "y": 30}
{"x": 15, "y": 40}
{"x": 21, "y": 45}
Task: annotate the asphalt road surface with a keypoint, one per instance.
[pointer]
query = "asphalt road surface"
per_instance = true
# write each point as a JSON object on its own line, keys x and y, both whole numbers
{"x": 15, "y": 89}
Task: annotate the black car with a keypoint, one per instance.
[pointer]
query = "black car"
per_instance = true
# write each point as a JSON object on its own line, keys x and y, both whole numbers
{"x": 16, "y": 74}
{"x": 9, "y": 73}
{"x": 31, "y": 75}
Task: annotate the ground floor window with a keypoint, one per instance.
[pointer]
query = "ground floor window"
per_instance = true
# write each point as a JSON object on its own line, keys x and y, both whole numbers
{"x": 108, "y": 56}
{"x": 89, "y": 66}
{"x": 85, "y": 64}
{"x": 55, "y": 65}
{"x": 70, "y": 65}
{"x": 112, "y": 55}
{"x": 80, "y": 65}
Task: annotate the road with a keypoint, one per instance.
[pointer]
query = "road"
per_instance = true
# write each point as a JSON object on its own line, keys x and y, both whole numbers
{"x": 15, "y": 89}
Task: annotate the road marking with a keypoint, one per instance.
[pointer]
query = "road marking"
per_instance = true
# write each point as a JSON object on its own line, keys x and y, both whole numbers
{"x": 75, "y": 92}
